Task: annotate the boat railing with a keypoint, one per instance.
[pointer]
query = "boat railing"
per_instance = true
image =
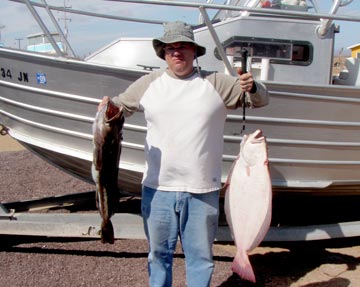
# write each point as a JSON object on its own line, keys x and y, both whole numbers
{"x": 325, "y": 20}
{"x": 326, "y": 23}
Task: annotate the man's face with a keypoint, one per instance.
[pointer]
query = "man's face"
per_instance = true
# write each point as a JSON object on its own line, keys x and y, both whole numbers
{"x": 180, "y": 56}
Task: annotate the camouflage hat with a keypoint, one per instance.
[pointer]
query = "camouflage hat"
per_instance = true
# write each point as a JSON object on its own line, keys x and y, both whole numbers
{"x": 176, "y": 32}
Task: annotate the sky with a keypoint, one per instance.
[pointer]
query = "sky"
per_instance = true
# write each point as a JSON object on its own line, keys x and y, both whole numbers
{"x": 87, "y": 35}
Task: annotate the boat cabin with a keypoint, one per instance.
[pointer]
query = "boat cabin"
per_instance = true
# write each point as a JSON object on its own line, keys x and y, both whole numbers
{"x": 39, "y": 43}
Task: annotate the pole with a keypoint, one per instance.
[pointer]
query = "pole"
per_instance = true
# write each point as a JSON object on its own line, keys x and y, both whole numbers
{"x": 19, "y": 40}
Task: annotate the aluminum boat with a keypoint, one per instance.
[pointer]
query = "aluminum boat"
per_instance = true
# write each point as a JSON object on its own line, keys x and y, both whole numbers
{"x": 312, "y": 124}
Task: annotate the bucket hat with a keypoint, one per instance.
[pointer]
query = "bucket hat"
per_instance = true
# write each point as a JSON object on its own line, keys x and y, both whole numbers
{"x": 176, "y": 32}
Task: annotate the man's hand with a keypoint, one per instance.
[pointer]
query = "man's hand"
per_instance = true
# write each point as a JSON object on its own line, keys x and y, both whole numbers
{"x": 246, "y": 80}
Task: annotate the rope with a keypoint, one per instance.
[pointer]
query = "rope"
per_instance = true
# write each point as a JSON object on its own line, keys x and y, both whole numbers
{"x": 244, "y": 109}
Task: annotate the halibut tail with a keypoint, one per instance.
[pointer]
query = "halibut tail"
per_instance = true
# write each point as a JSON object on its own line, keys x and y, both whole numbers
{"x": 242, "y": 267}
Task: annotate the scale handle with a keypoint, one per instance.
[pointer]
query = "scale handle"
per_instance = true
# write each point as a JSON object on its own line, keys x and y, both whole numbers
{"x": 244, "y": 53}
{"x": 244, "y": 56}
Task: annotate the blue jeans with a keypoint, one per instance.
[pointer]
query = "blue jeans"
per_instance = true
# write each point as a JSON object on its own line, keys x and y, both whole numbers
{"x": 193, "y": 217}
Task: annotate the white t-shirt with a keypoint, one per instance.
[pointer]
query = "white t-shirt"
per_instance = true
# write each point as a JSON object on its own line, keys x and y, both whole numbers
{"x": 185, "y": 125}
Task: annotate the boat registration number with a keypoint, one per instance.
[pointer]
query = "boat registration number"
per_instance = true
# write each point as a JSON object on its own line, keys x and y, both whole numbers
{"x": 7, "y": 73}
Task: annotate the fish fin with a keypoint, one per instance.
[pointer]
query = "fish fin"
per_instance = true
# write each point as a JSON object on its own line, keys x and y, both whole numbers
{"x": 242, "y": 267}
{"x": 107, "y": 232}
{"x": 228, "y": 179}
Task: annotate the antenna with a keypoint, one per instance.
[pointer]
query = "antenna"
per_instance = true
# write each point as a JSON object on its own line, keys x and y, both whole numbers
{"x": 65, "y": 19}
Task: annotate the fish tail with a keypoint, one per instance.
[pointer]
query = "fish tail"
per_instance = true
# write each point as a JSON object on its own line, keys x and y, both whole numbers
{"x": 242, "y": 267}
{"x": 107, "y": 232}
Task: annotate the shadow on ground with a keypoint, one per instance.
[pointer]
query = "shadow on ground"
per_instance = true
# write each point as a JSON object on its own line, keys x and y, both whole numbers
{"x": 293, "y": 261}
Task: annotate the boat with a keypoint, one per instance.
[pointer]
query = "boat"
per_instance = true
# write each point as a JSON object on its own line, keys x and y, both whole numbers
{"x": 48, "y": 102}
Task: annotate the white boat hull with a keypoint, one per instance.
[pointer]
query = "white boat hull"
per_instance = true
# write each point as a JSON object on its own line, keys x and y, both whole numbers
{"x": 48, "y": 103}
{"x": 312, "y": 130}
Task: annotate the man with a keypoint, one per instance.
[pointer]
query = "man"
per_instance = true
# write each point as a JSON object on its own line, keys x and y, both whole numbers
{"x": 185, "y": 111}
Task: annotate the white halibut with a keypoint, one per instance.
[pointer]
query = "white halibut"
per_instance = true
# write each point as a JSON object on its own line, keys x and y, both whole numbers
{"x": 248, "y": 201}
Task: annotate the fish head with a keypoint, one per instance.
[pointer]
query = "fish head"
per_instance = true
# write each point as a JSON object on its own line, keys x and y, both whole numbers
{"x": 113, "y": 112}
{"x": 253, "y": 148}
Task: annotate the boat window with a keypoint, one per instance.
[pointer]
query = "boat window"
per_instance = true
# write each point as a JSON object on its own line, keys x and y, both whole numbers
{"x": 277, "y": 50}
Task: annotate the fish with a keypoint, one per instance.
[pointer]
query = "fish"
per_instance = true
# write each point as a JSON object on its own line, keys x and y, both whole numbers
{"x": 248, "y": 201}
{"x": 107, "y": 138}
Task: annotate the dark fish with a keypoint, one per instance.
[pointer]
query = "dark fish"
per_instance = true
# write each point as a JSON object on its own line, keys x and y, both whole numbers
{"x": 107, "y": 131}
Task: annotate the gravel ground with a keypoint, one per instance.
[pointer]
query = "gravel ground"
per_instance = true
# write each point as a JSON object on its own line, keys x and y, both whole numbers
{"x": 37, "y": 261}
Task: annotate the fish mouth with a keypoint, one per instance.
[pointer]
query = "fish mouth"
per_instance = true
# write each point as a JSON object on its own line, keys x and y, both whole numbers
{"x": 113, "y": 112}
{"x": 257, "y": 137}
{"x": 258, "y": 133}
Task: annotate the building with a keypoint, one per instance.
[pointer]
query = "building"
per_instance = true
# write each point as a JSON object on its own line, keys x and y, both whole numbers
{"x": 355, "y": 51}
{"x": 39, "y": 43}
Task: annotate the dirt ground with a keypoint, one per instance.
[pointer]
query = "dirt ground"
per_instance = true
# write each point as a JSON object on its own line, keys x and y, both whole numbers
{"x": 37, "y": 261}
